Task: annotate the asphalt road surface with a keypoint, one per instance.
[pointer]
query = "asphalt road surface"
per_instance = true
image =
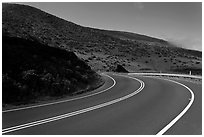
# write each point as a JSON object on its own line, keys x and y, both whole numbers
{"x": 124, "y": 105}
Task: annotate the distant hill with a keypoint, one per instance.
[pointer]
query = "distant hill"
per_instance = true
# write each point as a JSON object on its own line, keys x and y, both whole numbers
{"x": 133, "y": 36}
{"x": 28, "y": 22}
{"x": 103, "y": 50}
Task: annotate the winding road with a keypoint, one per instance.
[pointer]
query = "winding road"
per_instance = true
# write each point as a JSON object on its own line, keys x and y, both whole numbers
{"x": 124, "y": 105}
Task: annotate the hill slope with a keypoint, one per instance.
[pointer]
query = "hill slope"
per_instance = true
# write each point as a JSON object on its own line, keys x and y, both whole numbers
{"x": 32, "y": 71}
{"x": 103, "y": 50}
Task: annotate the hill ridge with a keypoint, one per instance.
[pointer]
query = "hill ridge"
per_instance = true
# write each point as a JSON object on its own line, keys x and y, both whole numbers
{"x": 102, "y": 49}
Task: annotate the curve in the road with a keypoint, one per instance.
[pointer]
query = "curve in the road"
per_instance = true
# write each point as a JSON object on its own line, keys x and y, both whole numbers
{"x": 63, "y": 101}
{"x": 169, "y": 125}
{"x": 180, "y": 114}
{"x": 51, "y": 119}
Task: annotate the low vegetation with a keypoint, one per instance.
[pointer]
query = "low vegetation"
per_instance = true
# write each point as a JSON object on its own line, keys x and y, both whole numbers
{"x": 120, "y": 68}
{"x": 32, "y": 71}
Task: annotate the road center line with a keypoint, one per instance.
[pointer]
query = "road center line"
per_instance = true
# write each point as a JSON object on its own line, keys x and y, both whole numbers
{"x": 63, "y": 101}
{"x": 51, "y": 119}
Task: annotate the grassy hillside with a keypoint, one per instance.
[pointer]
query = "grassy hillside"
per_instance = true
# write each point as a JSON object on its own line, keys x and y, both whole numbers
{"x": 32, "y": 71}
{"x": 133, "y": 36}
{"x": 103, "y": 50}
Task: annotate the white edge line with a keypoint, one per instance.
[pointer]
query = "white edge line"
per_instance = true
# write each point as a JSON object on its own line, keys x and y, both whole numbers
{"x": 168, "y": 126}
{"x": 63, "y": 101}
{"x": 182, "y": 113}
{"x": 39, "y": 122}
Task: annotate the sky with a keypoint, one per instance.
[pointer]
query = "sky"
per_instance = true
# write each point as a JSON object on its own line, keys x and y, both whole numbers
{"x": 179, "y": 23}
